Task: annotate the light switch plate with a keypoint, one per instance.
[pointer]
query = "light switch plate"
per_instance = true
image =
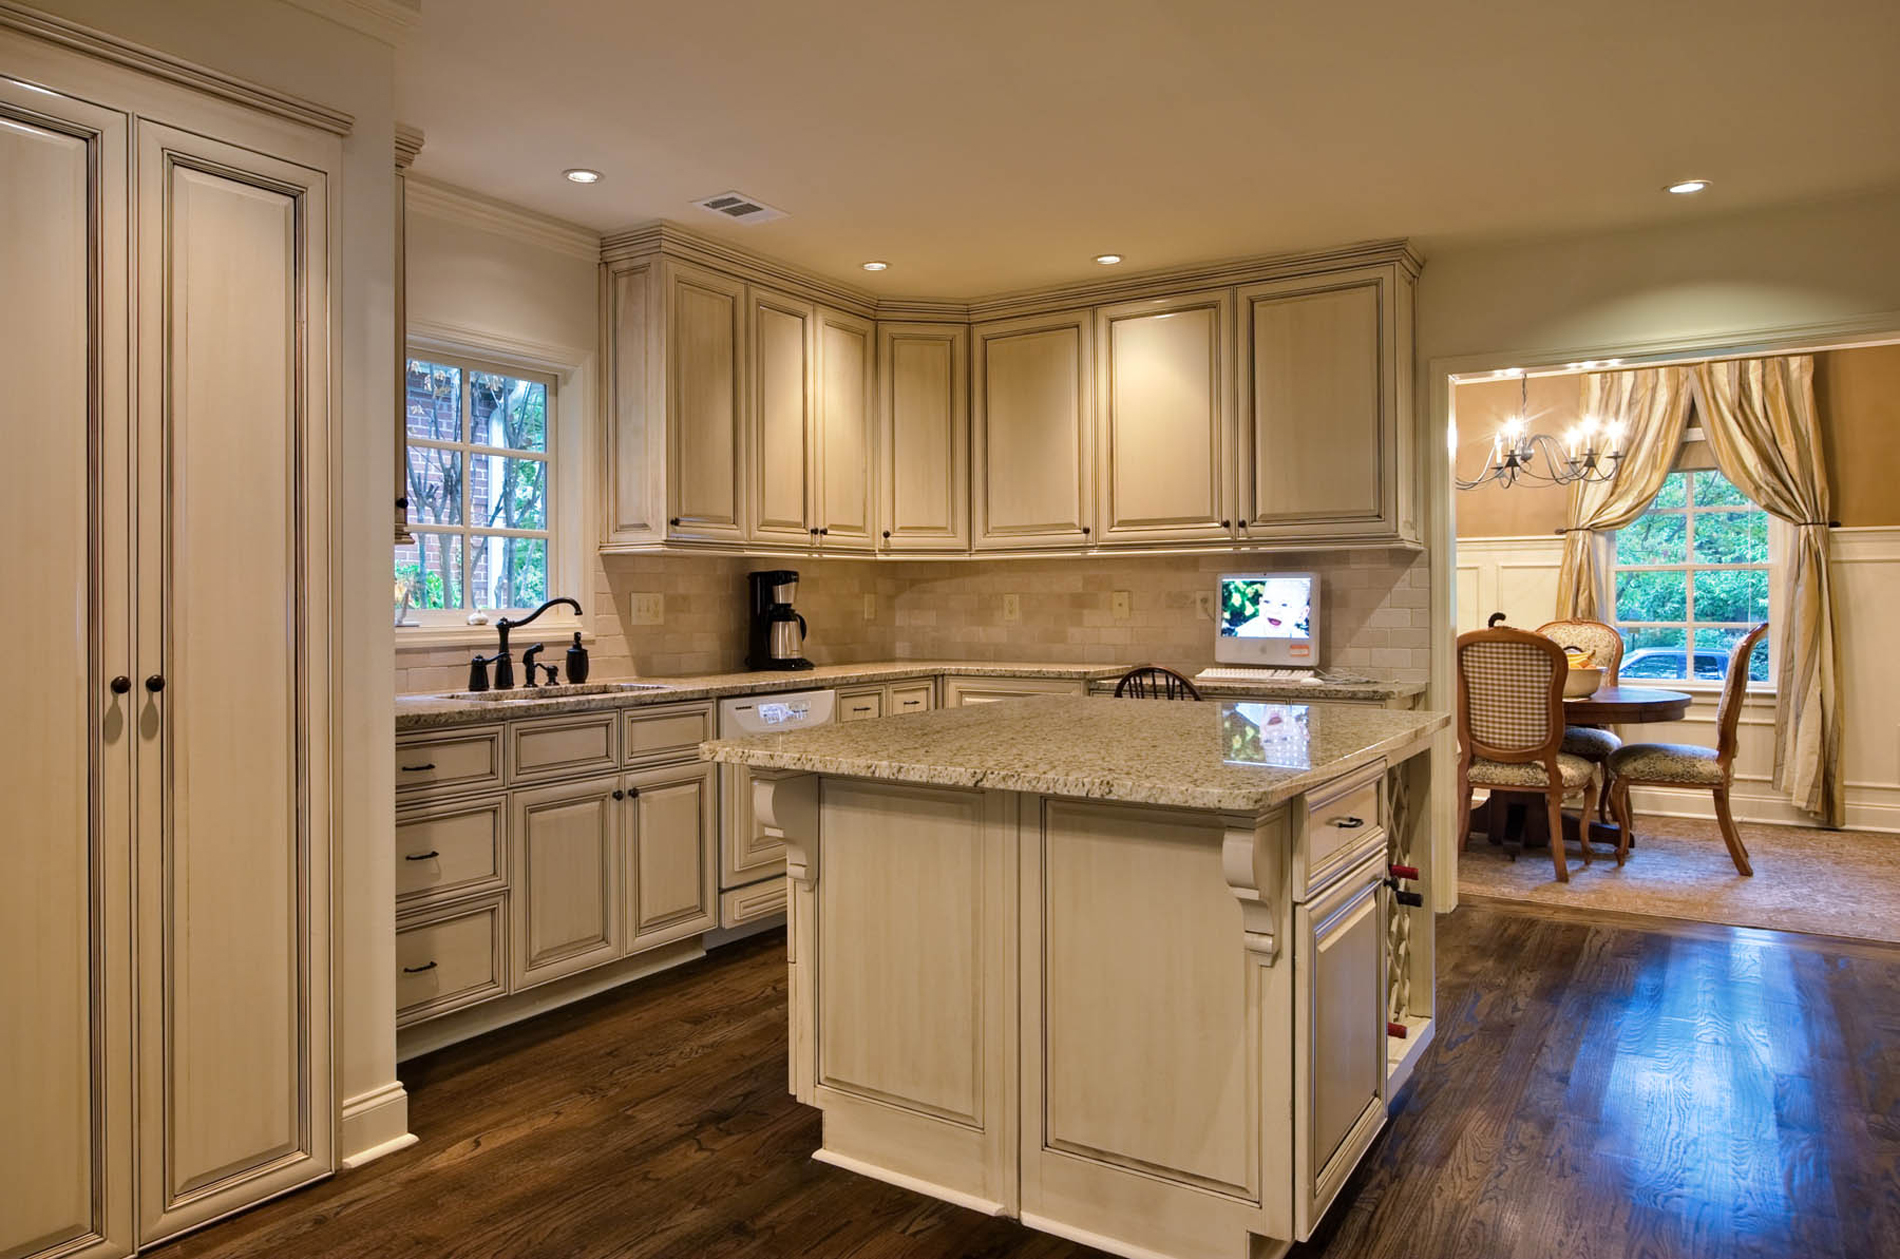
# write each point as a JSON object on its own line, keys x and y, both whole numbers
{"x": 1012, "y": 607}
{"x": 870, "y": 606}
{"x": 645, "y": 609}
{"x": 1118, "y": 605}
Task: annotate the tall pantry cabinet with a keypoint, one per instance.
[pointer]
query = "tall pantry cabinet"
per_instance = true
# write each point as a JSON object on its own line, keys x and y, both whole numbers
{"x": 165, "y": 925}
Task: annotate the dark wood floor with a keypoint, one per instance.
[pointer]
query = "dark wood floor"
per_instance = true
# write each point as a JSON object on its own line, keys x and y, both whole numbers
{"x": 1597, "y": 1089}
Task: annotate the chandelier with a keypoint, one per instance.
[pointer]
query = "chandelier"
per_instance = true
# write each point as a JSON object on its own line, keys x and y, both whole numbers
{"x": 1590, "y": 451}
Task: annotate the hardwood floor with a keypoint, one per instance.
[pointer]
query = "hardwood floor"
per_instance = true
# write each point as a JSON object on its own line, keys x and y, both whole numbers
{"x": 1597, "y": 1089}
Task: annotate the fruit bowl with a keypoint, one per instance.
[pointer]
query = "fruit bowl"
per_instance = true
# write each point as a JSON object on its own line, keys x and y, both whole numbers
{"x": 1581, "y": 682}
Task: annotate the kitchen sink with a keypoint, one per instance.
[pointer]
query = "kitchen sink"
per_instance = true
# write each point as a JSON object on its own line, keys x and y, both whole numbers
{"x": 523, "y": 694}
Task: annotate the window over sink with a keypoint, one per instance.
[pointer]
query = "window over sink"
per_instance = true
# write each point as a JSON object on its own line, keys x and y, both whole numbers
{"x": 481, "y": 481}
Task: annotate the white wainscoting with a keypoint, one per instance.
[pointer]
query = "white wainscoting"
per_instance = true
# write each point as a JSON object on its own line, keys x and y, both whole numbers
{"x": 1518, "y": 576}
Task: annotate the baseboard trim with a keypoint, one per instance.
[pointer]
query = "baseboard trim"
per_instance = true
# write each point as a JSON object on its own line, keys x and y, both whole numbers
{"x": 1770, "y": 810}
{"x": 374, "y": 1124}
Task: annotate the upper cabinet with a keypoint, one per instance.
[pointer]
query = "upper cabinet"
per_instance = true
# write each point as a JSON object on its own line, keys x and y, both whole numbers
{"x": 923, "y": 437}
{"x": 1165, "y": 435}
{"x": 1325, "y": 378}
{"x": 1032, "y": 431}
{"x": 1270, "y": 406}
{"x": 779, "y": 419}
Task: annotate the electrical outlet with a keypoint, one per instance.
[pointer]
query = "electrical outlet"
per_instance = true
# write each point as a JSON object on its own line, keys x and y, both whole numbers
{"x": 646, "y": 609}
{"x": 1012, "y": 607}
{"x": 870, "y": 606}
{"x": 1204, "y": 603}
{"x": 1118, "y": 605}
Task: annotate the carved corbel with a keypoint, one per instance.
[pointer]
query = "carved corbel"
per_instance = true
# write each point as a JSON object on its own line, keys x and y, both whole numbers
{"x": 1253, "y": 859}
{"x": 786, "y": 805}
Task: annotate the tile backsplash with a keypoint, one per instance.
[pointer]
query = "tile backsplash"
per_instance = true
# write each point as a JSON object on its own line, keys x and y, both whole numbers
{"x": 1375, "y": 619}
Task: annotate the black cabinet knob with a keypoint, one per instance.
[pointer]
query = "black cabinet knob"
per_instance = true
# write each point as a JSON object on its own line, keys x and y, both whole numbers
{"x": 675, "y": 522}
{"x": 402, "y": 504}
{"x": 1226, "y": 524}
{"x": 155, "y": 683}
{"x": 823, "y": 532}
{"x": 121, "y": 684}
{"x": 620, "y": 795}
{"x": 1085, "y": 531}
{"x": 887, "y": 535}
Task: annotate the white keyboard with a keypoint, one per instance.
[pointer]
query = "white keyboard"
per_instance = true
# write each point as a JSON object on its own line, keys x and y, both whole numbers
{"x": 1257, "y": 675}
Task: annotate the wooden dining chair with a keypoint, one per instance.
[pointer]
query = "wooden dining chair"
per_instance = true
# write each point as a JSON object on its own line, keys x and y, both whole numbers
{"x": 1153, "y": 681}
{"x": 1511, "y": 728}
{"x": 1592, "y": 743}
{"x": 1688, "y": 765}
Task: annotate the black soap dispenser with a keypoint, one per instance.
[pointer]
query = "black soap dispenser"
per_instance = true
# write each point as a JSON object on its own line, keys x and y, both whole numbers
{"x": 576, "y": 661}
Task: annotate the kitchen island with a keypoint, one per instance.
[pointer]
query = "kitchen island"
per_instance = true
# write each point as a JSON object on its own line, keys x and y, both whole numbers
{"x": 1131, "y": 972}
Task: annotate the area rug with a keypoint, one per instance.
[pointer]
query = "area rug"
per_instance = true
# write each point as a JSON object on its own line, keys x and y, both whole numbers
{"x": 1834, "y": 883}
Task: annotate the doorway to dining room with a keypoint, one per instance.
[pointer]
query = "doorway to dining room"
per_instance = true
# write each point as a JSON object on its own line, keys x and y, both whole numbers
{"x": 1677, "y": 544}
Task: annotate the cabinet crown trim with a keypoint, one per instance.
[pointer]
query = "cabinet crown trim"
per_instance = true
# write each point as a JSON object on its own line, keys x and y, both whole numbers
{"x": 162, "y": 65}
{"x": 459, "y": 205}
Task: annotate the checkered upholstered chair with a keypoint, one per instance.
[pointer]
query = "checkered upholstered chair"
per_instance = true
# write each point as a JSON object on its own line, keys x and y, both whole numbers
{"x": 1686, "y": 765}
{"x": 1592, "y": 743}
{"x": 1511, "y": 727}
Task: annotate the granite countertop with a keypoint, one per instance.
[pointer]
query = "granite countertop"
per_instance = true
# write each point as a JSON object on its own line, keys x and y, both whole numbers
{"x": 1236, "y": 756}
{"x": 427, "y": 712}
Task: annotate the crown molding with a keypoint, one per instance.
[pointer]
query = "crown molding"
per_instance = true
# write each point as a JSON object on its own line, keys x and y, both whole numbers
{"x": 458, "y": 205}
{"x": 387, "y": 21}
{"x": 674, "y": 241}
{"x": 409, "y": 142}
{"x": 162, "y": 65}
{"x": 669, "y": 238}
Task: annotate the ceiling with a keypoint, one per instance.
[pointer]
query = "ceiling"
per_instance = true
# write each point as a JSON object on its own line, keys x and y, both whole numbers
{"x": 982, "y": 146}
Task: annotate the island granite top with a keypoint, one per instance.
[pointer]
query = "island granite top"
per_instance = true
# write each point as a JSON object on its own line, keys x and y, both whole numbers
{"x": 1232, "y": 756}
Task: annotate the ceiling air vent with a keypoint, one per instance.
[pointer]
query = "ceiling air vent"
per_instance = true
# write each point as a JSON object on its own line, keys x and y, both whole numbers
{"x": 739, "y": 208}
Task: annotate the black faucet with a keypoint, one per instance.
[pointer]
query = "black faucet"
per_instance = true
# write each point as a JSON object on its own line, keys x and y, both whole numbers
{"x": 528, "y": 664}
{"x": 505, "y": 663}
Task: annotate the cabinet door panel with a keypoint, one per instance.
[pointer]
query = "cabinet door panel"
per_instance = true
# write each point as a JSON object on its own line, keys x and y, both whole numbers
{"x": 634, "y": 476}
{"x": 780, "y": 426}
{"x": 234, "y": 834}
{"x": 672, "y": 882}
{"x": 65, "y": 1006}
{"x": 1031, "y": 426}
{"x": 1166, "y": 419}
{"x": 705, "y": 367}
{"x": 1318, "y": 417}
{"x": 564, "y": 912}
{"x": 924, "y": 437}
{"x": 847, "y": 385}
{"x": 746, "y": 853}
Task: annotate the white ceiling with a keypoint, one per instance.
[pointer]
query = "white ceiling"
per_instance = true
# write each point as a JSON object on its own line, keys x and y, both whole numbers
{"x": 988, "y": 145}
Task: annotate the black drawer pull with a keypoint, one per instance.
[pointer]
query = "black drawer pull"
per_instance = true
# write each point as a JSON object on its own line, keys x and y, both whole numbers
{"x": 1349, "y": 823}
{"x": 417, "y": 970}
{"x": 417, "y": 769}
{"x": 422, "y": 856}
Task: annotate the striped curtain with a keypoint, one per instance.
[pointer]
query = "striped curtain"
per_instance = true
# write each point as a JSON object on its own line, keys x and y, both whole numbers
{"x": 1760, "y": 421}
{"x": 1652, "y": 404}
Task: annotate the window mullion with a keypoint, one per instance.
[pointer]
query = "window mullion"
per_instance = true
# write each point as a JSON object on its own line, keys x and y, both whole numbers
{"x": 468, "y": 491}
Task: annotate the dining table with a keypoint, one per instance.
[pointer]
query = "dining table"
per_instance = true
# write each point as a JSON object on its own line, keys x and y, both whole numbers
{"x": 1505, "y": 818}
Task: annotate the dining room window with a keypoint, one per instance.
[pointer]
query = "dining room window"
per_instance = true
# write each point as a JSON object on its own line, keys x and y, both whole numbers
{"x": 479, "y": 485}
{"x": 1692, "y": 578}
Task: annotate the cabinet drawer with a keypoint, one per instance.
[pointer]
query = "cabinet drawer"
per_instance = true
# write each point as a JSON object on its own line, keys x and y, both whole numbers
{"x": 451, "y": 850}
{"x": 449, "y": 763}
{"x": 749, "y": 904}
{"x": 1342, "y": 821}
{"x": 667, "y": 734}
{"x": 449, "y": 959}
{"x": 562, "y": 747}
{"x": 959, "y": 692}
{"x": 860, "y": 705}
{"x": 913, "y": 697}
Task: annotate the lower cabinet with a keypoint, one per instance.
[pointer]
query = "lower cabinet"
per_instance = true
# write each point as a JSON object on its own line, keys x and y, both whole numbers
{"x": 671, "y": 884}
{"x": 958, "y": 692}
{"x": 566, "y": 864}
{"x": 450, "y": 958}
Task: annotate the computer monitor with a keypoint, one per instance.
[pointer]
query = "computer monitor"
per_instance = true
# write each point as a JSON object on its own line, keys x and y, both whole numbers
{"x": 1267, "y": 619}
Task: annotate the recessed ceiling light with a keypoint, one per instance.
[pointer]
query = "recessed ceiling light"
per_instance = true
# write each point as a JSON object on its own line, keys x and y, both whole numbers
{"x": 581, "y": 175}
{"x": 1108, "y": 260}
{"x": 876, "y": 266}
{"x": 1687, "y": 186}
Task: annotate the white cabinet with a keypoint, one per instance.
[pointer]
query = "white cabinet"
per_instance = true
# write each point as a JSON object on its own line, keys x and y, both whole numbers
{"x": 671, "y": 884}
{"x": 779, "y": 425}
{"x": 958, "y": 692}
{"x": 170, "y": 780}
{"x": 1032, "y": 432}
{"x": 1325, "y": 407}
{"x": 1165, "y": 435}
{"x": 566, "y": 909}
{"x": 705, "y": 357}
{"x": 844, "y": 440}
{"x": 923, "y": 437}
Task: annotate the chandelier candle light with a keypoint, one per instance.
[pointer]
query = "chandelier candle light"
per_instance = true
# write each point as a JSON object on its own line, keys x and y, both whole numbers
{"x": 1590, "y": 451}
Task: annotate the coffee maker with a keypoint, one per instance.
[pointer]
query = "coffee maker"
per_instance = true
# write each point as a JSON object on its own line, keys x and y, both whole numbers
{"x": 778, "y": 633}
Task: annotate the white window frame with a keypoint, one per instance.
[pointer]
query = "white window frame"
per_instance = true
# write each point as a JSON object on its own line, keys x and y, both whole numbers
{"x": 1772, "y": 566}
{"x": 566, "y": 377}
